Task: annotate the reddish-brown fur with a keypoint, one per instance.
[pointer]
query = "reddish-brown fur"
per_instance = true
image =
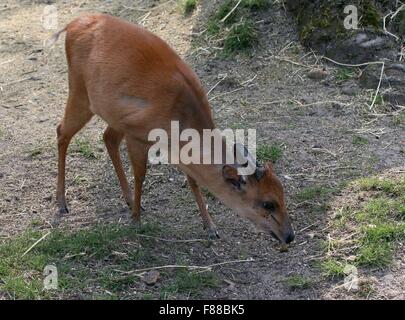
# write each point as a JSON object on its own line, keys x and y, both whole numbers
{"x": 136, "y": 82}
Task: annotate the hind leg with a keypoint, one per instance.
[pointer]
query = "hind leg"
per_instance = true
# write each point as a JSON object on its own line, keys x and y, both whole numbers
{"x": 77, "y": 114}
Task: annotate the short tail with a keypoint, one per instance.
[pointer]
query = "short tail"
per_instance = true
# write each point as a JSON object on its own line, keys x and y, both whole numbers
{"x": 52, "y": 40}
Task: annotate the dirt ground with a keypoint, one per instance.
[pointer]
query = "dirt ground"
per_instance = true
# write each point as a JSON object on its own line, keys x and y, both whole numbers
{"x": 314, "y": 122}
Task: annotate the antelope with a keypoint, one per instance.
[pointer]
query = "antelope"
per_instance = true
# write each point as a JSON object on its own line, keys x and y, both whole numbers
{"x": 136, "y": 82}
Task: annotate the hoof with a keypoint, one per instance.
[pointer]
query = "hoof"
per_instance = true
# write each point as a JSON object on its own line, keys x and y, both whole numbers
{"x": 213, "y": 234}
{"x": 137, "y": 224}
{"x": 63, "y": 210}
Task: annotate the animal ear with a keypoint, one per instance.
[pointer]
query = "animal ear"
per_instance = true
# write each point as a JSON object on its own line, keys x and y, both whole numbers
{"x": 231, "y": 176}
{"x": 259, "y": 173}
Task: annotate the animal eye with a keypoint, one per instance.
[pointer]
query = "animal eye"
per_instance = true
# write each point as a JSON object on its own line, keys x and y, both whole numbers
{"x": 269, "y": 206}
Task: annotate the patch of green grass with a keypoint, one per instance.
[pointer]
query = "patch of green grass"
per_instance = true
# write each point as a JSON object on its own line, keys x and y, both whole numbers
{"x": 271, "y": 153}
{"x": 297, "y": 281}
{"x": 311, "y": 193}
{"x": 378, "y": 221}
{"x": 187, "y": 6}
{"x": 390, "y": 186}
{"x": 332, "y": 268}
{"x": 241, "y": 37}
{"x": 256, "y": 4}
{"x": 84, "y": 147}
{"x": 238, "y": 28}
{"x": 398, "y": 119}
{"x": 381, "y": 209}
{"x": 376, "y": 248}
{"x": 223, "y": 11}
{"x": 359, "y": 141}
{"x": 191, "y": 283}
{"x": 379, "y": 100}
{"x": 344, "y": 74}
{"x": 35, "y": 152}
{"x": 78, "y": 256}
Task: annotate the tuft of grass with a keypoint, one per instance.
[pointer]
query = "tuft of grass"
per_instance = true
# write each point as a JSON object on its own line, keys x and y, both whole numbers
{"x": 344, "y": 74}
{"x": 75, "y": 255}
{"x": 224, "y": 9}
{"x": 238, "y": 28}
{"x": 269, "y": 153}
{"x": 379, "y": 100}
{"x": 256, "y": 4}
{"x": 35, "y": 152}
{"x": 376, "y": 248}
{"x": 311, "y": 193}
{"x": 84, "y": 147}
{"x": 398, "y": 120}
{"x": 389, "y": 186}
{"x": 190, "y": 283}
{"x": 297, "y": 281}
{"x": 187, "y": 6}
{"x": 241, "y": 37}
{"x": 332, "y": 268}
{"x": 359, "y": 141}
{"x": 379, "y": 222}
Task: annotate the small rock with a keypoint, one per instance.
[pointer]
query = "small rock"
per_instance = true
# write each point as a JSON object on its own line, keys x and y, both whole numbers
{"x": 151, "y": 277}
{"x": 350, "y": 90}
{"x": 283, "y": 247}
{"x": 396, "y": 97}
{"x": 317, "y": 74}
{"x": 307, "y": 99}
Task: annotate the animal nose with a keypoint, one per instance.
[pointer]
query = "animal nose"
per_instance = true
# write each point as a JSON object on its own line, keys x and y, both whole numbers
{"x": 290, "y": 237}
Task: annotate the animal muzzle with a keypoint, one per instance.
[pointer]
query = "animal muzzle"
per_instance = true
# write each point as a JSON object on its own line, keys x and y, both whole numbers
{"x": 288, "y": 235}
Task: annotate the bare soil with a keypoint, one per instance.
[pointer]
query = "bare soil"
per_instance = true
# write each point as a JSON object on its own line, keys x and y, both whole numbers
{"x": 314, "y": 122}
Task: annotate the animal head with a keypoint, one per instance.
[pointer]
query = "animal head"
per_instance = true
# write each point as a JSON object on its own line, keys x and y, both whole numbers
{"x": 259, "y": 197}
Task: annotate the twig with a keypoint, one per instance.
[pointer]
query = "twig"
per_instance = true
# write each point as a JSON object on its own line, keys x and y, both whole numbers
{"x": 209, "y": 267}
{"x": 360, "y": 65}
{"x": 396, "y": 12}
{"x": 16, "y": 81}
{"x": 378, "y": 87}
{"x": 5, "y": 62}
{"x": 171, "y": 240}
{"x": 146, "y": 16}
{"x": 230, "y": 12}
{"x": 307, "y": 227}
{"x": 385, "y": 29}
{"x": 36, "y": 242}
{"x": 225, "y": 93}
{"x": 244, "y": 83}
{"x": 215, "y": 85}
{"x": 352, "y": 65}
